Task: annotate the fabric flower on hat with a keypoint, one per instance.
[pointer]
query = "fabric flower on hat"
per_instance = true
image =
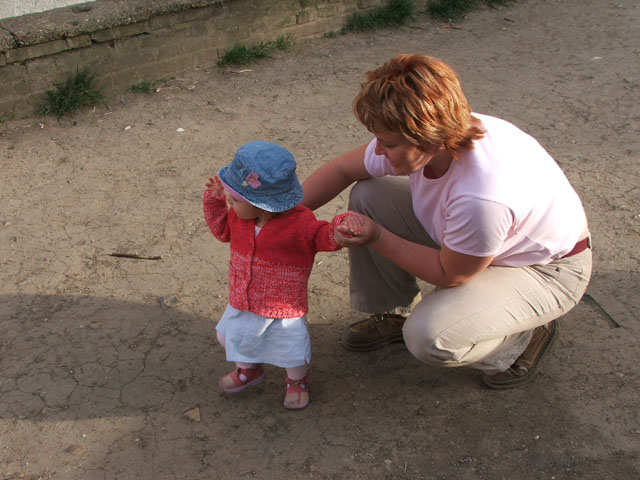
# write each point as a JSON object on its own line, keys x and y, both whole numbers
{"x": 252, "y": 180}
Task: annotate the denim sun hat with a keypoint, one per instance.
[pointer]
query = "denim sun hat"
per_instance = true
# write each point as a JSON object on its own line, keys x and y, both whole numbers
{"x": 264, "y": 174}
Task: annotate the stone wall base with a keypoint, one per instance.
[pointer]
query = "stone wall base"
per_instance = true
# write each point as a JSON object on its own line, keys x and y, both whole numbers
{"x": 123, "y": 43}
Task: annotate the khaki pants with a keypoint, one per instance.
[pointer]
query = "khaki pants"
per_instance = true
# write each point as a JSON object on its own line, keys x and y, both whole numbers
{"x": 485, "y": 323}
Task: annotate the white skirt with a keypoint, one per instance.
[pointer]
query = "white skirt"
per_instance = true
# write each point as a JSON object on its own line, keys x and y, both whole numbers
{"x": 250, "y": 338}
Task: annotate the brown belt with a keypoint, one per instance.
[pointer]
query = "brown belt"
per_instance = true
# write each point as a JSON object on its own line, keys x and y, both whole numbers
{"x": 579, "y": 247}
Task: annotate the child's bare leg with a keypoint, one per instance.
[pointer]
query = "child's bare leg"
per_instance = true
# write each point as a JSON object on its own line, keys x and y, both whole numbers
{"x": 244, "y": 365}
{"x": 297, "y": 388}
{"x": 245, "y": 374}
{"x": 296, "y": 373}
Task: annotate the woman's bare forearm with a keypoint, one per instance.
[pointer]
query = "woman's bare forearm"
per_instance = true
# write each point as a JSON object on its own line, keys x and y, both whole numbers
{"x": 323, "y": 186}
{"x": 333, "y": 177}
{"x": 444, "y": 268}
{"x": 419, "y": 260}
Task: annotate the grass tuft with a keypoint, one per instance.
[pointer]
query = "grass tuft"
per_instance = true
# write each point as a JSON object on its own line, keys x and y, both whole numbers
{"x": 77, "y": 91}
{"x": 331, "y": 34}
{"x": 4, "y": 117}
{"x": 241, "y": 54}
{"x": 394, "y": 13}
{"x": 450, "y": 10}
{"x": 284, "y": 42}
{"x": 144, "y": 86}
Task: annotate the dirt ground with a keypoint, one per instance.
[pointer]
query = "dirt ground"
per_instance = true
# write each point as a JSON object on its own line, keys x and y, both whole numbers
{"x": 101, "y": 356}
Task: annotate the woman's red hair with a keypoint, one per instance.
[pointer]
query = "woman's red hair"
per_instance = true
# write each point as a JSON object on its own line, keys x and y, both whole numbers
{"x": 420, "y": 97}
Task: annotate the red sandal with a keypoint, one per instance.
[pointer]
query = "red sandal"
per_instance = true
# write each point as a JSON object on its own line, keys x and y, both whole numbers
{"x": 296, "y": 393}
{"x": 241, "y": 378}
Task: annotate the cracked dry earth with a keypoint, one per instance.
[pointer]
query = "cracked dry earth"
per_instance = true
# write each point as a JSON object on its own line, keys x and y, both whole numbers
{"x": 101, "y": 356}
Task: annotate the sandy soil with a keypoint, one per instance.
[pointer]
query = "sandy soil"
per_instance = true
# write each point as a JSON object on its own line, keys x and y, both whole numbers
{"x": 100, "y": 356}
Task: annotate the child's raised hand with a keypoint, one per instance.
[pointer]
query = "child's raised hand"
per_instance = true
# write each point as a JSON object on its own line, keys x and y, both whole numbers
{"x": 214, "y": 186}
{"x": 355, "y": 230}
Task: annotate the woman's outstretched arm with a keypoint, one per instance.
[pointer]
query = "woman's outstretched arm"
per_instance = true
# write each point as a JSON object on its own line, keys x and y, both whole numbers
{"x": 333, "y": 177}
{"x": 444, "y": 267}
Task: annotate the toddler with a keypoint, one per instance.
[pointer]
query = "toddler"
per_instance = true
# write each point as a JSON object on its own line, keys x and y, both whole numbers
{"x": 273, "y": 242}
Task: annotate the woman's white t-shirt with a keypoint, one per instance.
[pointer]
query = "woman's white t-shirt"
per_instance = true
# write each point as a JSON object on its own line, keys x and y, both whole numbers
{"x": 505, "y": 198}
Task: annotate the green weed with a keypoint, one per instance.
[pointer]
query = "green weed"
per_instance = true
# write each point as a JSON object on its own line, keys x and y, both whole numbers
{"x": 4, "y": 117}
{"x": 455, "y": 9}
{"x": 284, "y": 42}
{"x": 144, "y": 86}
{"x": 77, "y": 91}
{"x": 394, "y": 13}
{"x": 241, "y": 54}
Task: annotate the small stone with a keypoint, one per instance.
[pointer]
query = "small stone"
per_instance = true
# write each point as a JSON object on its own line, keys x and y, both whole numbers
{"x": 193, "y": 414}
{"x": 73, "y": 449}
{"x": 81, "y": 8}
{"x": 169, "y": 301}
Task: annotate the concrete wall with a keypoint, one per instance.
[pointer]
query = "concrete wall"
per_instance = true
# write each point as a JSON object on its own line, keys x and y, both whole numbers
{"x": 124, "y": 42}
{"x": 14, "y": 8}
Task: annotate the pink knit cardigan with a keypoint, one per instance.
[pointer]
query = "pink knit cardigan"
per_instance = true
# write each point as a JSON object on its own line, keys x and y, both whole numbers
{"x": 269, "y": 273}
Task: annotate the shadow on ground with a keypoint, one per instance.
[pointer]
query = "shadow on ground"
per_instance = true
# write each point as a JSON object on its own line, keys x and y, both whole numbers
{"x": 104, "y": 384}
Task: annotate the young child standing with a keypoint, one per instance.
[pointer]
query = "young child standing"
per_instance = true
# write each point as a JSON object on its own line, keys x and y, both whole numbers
{"x": 273, "y": 244}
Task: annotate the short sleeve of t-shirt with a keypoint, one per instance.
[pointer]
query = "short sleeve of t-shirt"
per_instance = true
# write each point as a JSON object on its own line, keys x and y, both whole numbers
{"x": 477, "y": 227}
{"x": 472, "y": 226}
{"x": 376, "y": 165}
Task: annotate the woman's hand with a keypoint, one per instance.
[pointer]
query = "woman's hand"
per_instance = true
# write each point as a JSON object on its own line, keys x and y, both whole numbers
{"x": 356, "y": 230}
{"x": 214, "y": 187}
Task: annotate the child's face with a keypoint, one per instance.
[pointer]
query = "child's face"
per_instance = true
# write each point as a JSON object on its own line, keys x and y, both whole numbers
{"x": 244, "y": 210}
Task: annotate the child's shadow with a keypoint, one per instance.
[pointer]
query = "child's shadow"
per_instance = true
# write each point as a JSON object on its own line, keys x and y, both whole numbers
{"x": 66, "y": 358}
